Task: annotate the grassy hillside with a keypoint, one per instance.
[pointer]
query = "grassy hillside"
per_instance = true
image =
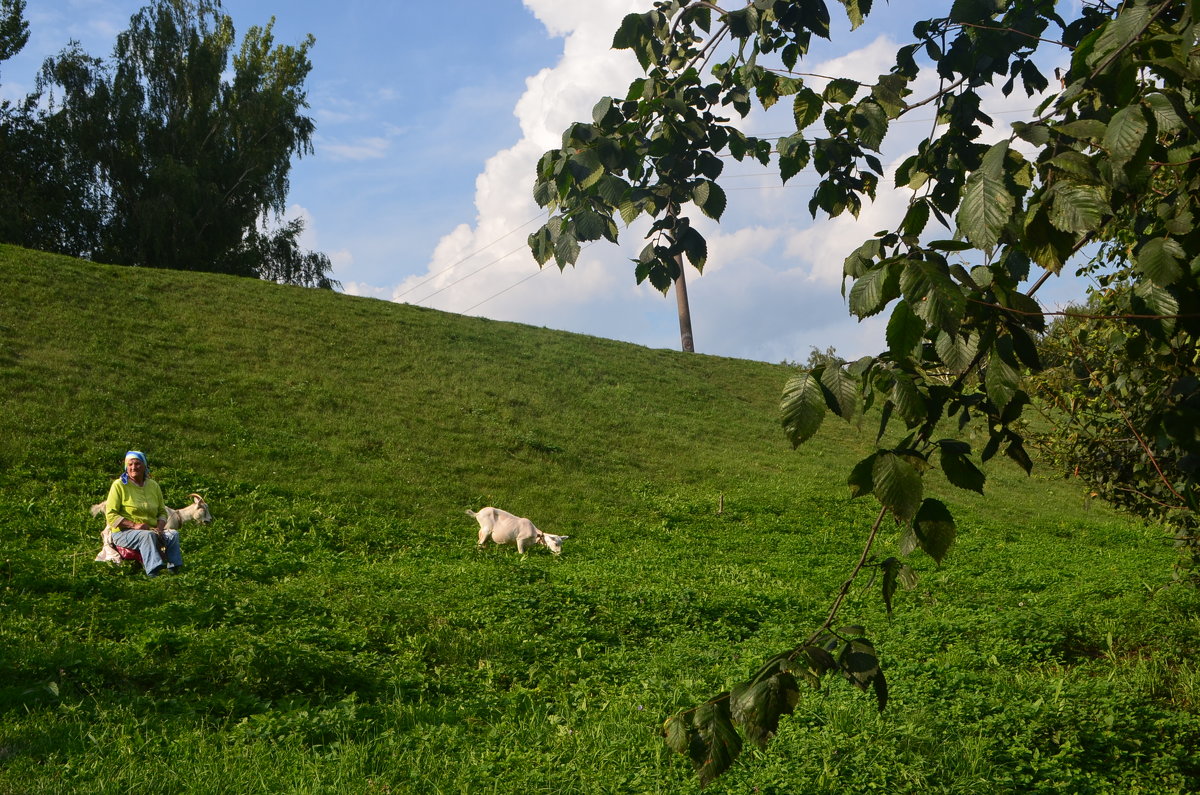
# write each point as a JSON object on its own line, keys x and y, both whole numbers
{"x": 337, "y": 631}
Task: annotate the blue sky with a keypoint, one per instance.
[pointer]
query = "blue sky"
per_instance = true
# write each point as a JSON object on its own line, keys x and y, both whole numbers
{"x": 430, "y": 118}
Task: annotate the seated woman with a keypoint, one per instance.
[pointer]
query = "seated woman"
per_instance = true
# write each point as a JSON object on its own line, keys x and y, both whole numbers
{"x": 137, "y": 517}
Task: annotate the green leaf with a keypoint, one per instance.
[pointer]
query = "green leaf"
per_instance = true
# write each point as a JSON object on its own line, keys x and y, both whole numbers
{"x": 1025, "y": 348}
{"x": 1036, "y": 134}
{"x": 706, "y": 736}
{"x": 1083, "y": 129}
{"x": 710, "y": 198}
{"x": 873, "y": 290}
{"x": 896, "y": 573}
{"x": 637, "y": 33}
{"x": 772, "y": 666}
{"x": 629, "y": 210}
{"x": 959, "y": 469}
{"x": 897, "y": 485}
{"x": 542, "y": 245}
{"x": 862, "y": 477}
{"x": 1076, "y": 207}
{"x": 1077, "y": 165}
{"x": 1166, "y": 118}
{"x": 1126, "y": 133}
{"x": 1157, "y": 300}
{"x": 841, "y": 90}
{"x": 695, "y": 247}
{"x": 721, "y": 742}
{"x": 861, "y": 259}
{"x": 545, "y": 192}
{"x": 1120, "y": 32}
{"x": 860, "y": 666}
{"x": 916, "y": 218}
{"x": 566, "y": 249}
{"x": 601, "y": 109}
{"x": 842, "y": 391}
{"x": 802, "y": 408}
{"x": 1002, "y": 379}
{"x": 934, "y": 529}
{"x": 757, "y": 706}
{"x": 957, "y": 351}
{"x": 973, "y": 11}
{"x": 905, "y": 332}
{"x": 870, "y": 122}
{"x": 859, "y": 368}
{"x": 949, "y": 245}
{"x": 892, "y": 568}
{"x": 932, "y": 293}
{"x": 806, "y": 108}
{"x": 679, "y": 733}
{"x": 612, "y": 189}
{"x": 816, "y": 662}
{"x": 890, "y": 91}
{"x": 908, "y": 399}
{"x": 586, "y": 168}
{"x": 793, "y": 160}
{"x": 856, "y": 11}
{"x": 1031, "y": 312}
{"x": 1046, "y": 244}
{"x": 1161, "y": 259}
{"x": 743, "y": 22}
{"x": 1016, "y": 451}
{"x": 987, "y": 204}
{"x": 590, "y": 225}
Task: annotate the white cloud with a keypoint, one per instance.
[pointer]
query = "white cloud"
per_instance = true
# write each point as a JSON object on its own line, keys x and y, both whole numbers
{"x": 823, "y": 247}
{"x": 771, "y": 287}
{"x": 486, "y": 267}
{"x": 757, "y": 297}
{"x": 865, "y": 64}
{"x": 365, "y": 290}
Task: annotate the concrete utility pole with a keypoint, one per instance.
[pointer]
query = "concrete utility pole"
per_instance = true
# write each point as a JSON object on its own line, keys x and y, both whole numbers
{"x": 681, "y": 301}
{"x": 685, "y": 312}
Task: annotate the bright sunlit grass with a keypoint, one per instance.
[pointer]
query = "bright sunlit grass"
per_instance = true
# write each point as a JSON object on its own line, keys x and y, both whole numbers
{"x": 338, "y": 632}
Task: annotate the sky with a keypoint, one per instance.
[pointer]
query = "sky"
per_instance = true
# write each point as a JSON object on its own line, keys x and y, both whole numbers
{"x": 431, "y": 117}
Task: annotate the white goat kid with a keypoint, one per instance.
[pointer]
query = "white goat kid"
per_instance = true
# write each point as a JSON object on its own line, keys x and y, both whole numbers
{"x": 504, "y": 528}
{"x": 196, "y": 511}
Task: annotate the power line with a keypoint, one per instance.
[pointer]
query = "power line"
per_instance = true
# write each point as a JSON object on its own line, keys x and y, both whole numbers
{"x": 505, "y": 290}
{"x": 454, "y": 265}
{"x": 519, "y": 283}
{"x": 499, "y": 259}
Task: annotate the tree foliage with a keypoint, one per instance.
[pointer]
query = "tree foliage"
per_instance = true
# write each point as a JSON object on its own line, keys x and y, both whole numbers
{"x": 1124, "y": 407}
{"x": 40, "y": 175}
{"x": 177, "y": 151}
{"x": 1110, "y": 159}
{"x": 14, "y": 30}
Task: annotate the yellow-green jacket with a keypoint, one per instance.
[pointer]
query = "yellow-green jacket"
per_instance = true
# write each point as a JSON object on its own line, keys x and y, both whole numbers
{"x": 128, "y": 500}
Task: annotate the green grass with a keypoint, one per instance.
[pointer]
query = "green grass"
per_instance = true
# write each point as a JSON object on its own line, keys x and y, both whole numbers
{"x": 337, "y": 631}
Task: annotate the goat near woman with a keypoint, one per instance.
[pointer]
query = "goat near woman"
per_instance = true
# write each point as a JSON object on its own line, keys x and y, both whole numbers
{"x": 137, "y": 518}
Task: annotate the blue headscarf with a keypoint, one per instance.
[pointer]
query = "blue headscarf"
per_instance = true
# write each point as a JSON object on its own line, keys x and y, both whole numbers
{"x": 134, "y": 454}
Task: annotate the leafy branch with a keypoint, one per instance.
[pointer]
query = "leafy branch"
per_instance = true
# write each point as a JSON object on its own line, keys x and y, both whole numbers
{"x": 964, "y": 342}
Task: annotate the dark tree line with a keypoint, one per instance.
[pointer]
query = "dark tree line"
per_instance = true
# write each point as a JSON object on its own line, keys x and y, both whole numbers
{"x": 174, "y": 153}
